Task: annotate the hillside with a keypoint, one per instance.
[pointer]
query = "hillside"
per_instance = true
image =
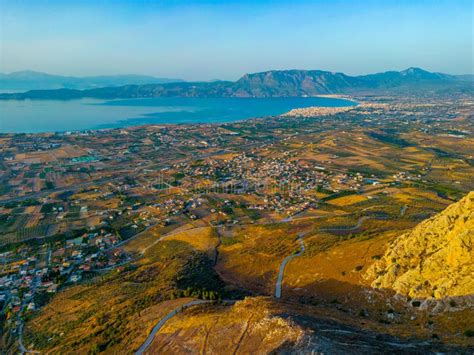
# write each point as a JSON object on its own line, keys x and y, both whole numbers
{"x": 293, "y": 83}
{"x": 259, "y": 325}
{"x": 316, "y": 82}
{"x": 276, "y": 83}
{"x": 435, "y": 259}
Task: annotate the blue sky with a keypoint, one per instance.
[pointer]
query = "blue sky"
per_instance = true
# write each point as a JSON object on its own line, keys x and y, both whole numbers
{"x": 203, "y": 40}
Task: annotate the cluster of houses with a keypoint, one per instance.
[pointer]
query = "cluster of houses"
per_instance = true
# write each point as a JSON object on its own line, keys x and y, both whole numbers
{"x": 29, "y": 273}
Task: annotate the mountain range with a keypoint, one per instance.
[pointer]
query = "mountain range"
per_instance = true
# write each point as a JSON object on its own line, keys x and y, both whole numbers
{"x": 276, "y": 83}
{"x": 32, "y": 80}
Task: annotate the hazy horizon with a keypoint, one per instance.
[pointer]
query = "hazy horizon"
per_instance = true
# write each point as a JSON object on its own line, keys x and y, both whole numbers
{"x": 215, "y": 79}
{"x": 208, "y": 40}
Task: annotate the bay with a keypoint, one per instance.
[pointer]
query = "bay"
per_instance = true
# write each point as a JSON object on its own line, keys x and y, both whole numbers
{"x": 34, "y": 116}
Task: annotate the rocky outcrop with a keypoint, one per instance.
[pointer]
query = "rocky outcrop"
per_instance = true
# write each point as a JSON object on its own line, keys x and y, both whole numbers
{"x": 435, "y": 259}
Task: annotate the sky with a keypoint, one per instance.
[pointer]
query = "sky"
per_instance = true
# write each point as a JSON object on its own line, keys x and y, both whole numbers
{"x": 206, "y": 40}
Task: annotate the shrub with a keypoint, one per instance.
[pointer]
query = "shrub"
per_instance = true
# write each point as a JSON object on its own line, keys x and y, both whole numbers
{"x": 469, "y": 333}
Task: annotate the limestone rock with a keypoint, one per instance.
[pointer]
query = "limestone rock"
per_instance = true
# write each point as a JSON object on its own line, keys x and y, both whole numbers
{"x": 435, "y": 259}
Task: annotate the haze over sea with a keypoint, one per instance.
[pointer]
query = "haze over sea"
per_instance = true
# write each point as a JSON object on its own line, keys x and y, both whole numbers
{"x": 34, "y": 116}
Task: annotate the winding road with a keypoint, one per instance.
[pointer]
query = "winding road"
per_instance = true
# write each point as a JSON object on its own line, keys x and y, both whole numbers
{"x": 348, "y": 229}
{"x": 170, "y": 234}
{"x": 285, "y": 261}
{"x": 283, "y": 266}
{"x": 162, "y": 322}
{"x": 118, "y": 245}
{"x": 170, "y": 315}
{"x": 23, "y": 350}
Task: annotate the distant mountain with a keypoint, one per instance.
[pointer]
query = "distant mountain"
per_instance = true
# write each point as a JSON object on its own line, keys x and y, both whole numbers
{"x": 466, "y": 77}
{"x": 314, "y": 82}
{"x": 277, "y": 83}
{"x": 292, "y": 83}
{"x": 33, "y": 80}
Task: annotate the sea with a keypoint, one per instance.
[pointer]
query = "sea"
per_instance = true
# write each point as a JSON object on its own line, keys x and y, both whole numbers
{"x": 35, "y": 116}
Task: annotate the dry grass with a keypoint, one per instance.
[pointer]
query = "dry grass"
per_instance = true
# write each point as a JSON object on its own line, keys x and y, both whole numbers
{"x": 347, "y": 200}
{"x": 203, "y": 239}
{"x": 338, "y": 262}
{"x": 247, "y": 327}
{"x": 251, "y": 257}
{"x": 116, "y": 311}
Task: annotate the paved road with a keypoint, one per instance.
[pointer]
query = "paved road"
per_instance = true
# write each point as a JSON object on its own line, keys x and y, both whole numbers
{"x": 36, "y": 281}
{"x": 23, "y": 350}
{"x": 349, "y": 229}
{"x": 170, "y": 315}
{"x": 403, "y": 210}
{"x": 131, "y": 238}
{"x": 283, "y": 265}
{"x": 50, "y": 251}
{"x": 162, "y": 322}
{"x": 170, "y": 234}
{"x": 285, "y": 261}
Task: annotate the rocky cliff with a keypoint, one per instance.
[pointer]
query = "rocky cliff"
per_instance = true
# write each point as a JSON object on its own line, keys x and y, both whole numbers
{"x": 435, "y": 259}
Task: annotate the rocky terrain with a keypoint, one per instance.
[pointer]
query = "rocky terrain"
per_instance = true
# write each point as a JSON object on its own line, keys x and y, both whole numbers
{"x": 259, "y": 325}
{"x": 435, "y": 259}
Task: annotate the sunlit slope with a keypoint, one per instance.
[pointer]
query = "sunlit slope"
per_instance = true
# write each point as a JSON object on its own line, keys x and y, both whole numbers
{"x": 115, "y": 312}
{"x": 435, "y": 259}
{"x": 248, "y": 327}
